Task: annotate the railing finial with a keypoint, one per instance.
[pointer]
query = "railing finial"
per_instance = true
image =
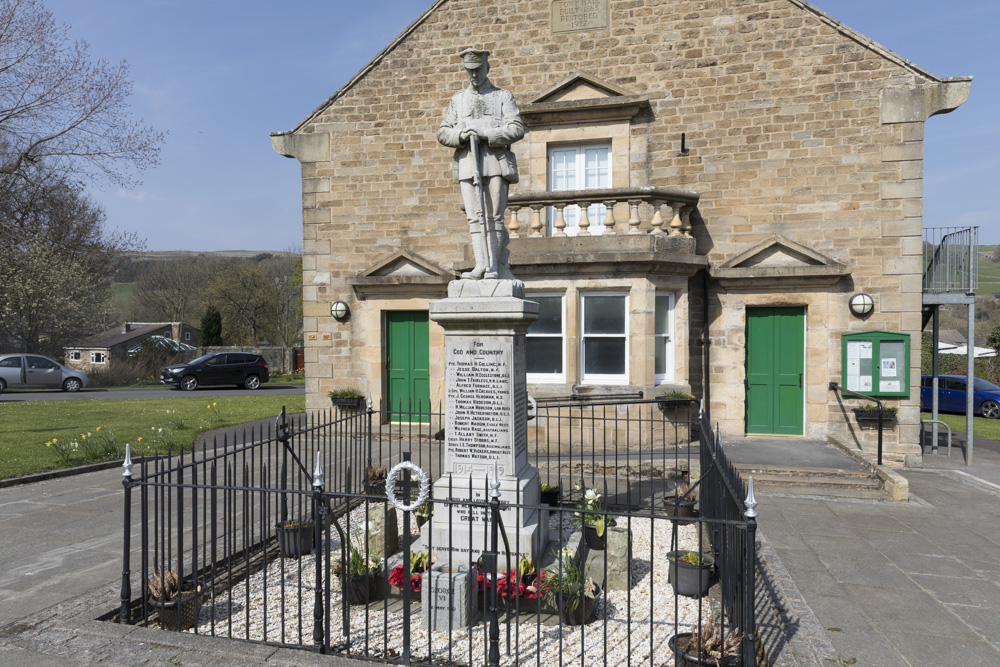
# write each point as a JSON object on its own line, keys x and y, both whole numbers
{"x": 750, "y": 502}
{"x": 128, "y": 462}
{"x": 318, "y": 472}
{"x": 495, "y": 483}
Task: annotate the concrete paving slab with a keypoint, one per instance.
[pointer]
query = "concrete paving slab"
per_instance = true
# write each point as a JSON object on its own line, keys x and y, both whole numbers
{"x": 938, "y": 564}
{"x": 866, "y": 648}
{"x": 877, "y": 576}
{"x": 931, "y": 649}
{"x": 986, "y": 621}
{"x": 970, "y": 591}
{"x": 897, "y": 610}
{"x": 830, "y": 548}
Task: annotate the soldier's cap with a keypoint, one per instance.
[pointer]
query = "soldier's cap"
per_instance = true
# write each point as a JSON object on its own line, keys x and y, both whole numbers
{"x": 473, "y": 58}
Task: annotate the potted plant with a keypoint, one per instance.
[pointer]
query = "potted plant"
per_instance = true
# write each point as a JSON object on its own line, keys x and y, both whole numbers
{"x": 349, "y": 399}
{"x": 869, "y": 411}
{"x": 670, "y": 402}
{"x": 375, "y": 475}
{"x": 178, "y": 603}
{"x": 594, "y": 525}
{"x": 571, "y": 590}
{"x": 525, "y": 583}
{"x": 423, "y": 513}
{"x": 419, "y": 562}
{"x": 358, "y": 583}
{"x": 690, "y": 572}
{"x": 681, "y": 503}
{"x": 295, "y": 538}
{"x": 707, "y": 647}
{"x": 550, "y": 495}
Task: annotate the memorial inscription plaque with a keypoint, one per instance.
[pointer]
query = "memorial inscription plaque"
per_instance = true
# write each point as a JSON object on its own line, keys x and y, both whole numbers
{"x": 570, "y": 15}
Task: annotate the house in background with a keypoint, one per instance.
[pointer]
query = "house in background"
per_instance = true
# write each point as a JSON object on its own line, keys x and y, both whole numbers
{"x": 716, "y": 197}
{"x": 96, "y": 354}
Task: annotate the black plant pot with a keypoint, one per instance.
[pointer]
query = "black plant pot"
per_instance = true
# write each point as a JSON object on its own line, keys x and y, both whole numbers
{"x": 593, "y": 540}
{"x": 421, "y": 520}
{"x": 692, "y": 581}
{"x": 576, "y": 613}
{"x": 182, "y": 613}
{"x": 348, "y": 402}
{"x": 360, "y": 588}
{"x": 681, "y": 508}
{"x": 295, "y": 542}
{"x": 550, "y": 498}
{"x": 684, "y": 659}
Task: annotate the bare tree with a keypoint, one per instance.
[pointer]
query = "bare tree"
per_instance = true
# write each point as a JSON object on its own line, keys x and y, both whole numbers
{"x": 173, "y": 290}
{"x": 60, "y": 112}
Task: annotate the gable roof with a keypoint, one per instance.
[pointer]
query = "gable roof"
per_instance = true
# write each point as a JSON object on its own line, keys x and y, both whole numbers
{"x": 822, "y": 16}
{"x": 777, "y": 259}
{"x": 126, "y": 333}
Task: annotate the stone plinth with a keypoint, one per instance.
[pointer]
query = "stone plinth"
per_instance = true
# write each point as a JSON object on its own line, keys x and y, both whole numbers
{"x": 486, "y": 419}
{"x": 449, "y": 597}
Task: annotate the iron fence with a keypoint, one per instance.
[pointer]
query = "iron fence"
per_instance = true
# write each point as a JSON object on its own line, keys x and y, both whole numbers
{"x": 283, "y": 538}
{"x": 951, "y": 262}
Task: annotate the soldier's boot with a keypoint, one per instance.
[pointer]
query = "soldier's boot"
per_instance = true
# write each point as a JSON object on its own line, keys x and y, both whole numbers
{"x": 491, "y": 272}
{"x": 479, "y": 252}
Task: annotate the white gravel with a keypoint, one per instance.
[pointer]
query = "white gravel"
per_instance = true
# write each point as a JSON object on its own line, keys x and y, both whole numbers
{"x": 629, "y": 627}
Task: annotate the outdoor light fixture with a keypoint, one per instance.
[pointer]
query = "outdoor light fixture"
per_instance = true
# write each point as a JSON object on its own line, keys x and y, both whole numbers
{"x": 339, "y": 310}
{"x": 861, "y": 304}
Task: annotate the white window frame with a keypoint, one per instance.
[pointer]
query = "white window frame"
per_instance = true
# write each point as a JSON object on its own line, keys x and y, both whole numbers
{"x": 594, "y": 378}
{"x": 596, "y": 212}
{"x": 551, "y": 378}
{"x": 74, "y": 355}
{"x": 666, "y": 340}
{"x": 98, "y": 358}
{"x": 187, "y": 335}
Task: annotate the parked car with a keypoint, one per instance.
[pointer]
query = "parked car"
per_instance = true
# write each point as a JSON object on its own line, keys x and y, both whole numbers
{"x": 33, "y": 370}
{"x": 242, "y": 369}
{"x": 951, "y": 395}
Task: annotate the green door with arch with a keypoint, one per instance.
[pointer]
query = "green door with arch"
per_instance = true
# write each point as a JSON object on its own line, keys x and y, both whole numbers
{"x": 774, "y": 370}
{"x": 407, "y": 364}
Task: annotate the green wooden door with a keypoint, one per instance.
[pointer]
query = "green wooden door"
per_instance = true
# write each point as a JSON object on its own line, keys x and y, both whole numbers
{"x": 407, "y": 364}
{"x": 775, "y": 362}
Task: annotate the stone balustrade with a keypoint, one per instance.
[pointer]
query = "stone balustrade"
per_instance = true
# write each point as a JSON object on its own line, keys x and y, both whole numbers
{"x": 664, "y": 211}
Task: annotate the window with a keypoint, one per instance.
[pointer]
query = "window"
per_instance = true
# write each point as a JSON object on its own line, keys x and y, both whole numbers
{"x": 10, "y": 362}
{"x": 97, "y": 357}
{"x": 546, "y": 351}
{"x": 585, "y": 167}
{"x": 664, "y": 357}
{"x": 74, "y": 355}
{"x": 604, "y": 352}
{"x": 187, "y": 335}
{"x": 41, "y": 363}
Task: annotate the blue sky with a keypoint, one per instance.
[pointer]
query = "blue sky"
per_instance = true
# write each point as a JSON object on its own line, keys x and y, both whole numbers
{"x": 220, "y": 75}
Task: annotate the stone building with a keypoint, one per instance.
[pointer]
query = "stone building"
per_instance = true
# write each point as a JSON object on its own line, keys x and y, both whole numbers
{"x": 755, "y": 158}
{"x": 98, "y": 353}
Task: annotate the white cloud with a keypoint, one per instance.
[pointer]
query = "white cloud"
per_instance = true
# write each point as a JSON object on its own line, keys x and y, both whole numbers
{"x": 136, "y": 196}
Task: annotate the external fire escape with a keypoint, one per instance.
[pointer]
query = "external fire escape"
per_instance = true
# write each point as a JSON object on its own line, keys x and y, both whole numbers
{"x": 951, "y": 270}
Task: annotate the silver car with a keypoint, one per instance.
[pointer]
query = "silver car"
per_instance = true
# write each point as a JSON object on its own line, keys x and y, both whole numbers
{"x": 35, "y": 371}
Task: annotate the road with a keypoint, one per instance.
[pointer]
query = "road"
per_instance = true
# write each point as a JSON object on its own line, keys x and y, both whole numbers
{"x": 13, "y": 396}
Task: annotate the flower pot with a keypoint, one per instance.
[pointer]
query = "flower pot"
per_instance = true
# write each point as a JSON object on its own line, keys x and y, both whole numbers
{"x": 182, "y": 613}
{"x": 690, "y": 580}
{"x": 295, "y": 542}
{"x": 684, "y": 659}
{"x": 680, "y": 508}
{"x": 593, "y": 540}
{"x": 359, "y": 588}
{"x": 672, "y": 406}
{"x": 573, "y": 612}
{"x": 348, "y": 403}
{"x": 550, "y": 498}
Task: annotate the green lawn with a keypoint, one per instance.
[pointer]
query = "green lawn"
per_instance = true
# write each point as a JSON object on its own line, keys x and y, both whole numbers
{"x": 147, "y": 424}
{"x": 983, "y": 428}
{"x": 989, "y": 278}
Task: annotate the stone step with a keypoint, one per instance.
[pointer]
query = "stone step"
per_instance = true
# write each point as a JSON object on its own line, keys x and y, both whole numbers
{"x": 823, "y": 482}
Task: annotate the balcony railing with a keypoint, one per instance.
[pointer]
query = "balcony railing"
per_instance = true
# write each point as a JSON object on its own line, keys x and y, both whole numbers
{"x": 950, "y": 259}
{"x": 662, "y": 211}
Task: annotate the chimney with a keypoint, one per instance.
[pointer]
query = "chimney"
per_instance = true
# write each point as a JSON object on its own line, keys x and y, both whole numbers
{"x": 126, "y": 328}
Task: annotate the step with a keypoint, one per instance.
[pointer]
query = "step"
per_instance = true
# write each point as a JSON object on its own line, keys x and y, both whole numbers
{"x": 822, "y": 482}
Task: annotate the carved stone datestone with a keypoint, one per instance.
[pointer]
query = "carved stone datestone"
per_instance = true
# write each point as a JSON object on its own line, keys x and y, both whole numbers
{"x": 570, "y": 15}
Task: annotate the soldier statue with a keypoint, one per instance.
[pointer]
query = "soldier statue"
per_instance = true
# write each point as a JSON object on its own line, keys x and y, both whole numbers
{"x": 481, "y": 123}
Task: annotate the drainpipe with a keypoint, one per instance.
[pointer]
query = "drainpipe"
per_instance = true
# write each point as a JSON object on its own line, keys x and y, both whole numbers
{"x": 705, "y": 356}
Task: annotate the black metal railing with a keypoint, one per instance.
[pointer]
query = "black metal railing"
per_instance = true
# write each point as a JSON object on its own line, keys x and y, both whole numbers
{"x": 261, "y": 523}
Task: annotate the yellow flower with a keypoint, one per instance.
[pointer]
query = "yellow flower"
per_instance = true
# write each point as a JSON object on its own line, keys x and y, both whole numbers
{"x": 48, "y": 444}
{"x": 140, "y": 439}
{"x": 54, "y": 440}
{"x": 214, "y": 404}
{"x": 208, "y": 407}
{"x": 98, "y": 428}
{"x": 84, "y": 437}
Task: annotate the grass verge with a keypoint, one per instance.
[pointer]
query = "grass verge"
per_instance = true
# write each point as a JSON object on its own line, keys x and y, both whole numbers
{"x": 48, "y": 435}
{"x": 982, "y": 427}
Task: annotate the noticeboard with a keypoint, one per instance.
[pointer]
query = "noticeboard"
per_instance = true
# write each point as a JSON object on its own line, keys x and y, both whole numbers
{"x": 876, "y": 363}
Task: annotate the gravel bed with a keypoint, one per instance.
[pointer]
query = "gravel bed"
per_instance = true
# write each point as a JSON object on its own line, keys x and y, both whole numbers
{"x": 630, "y": 626}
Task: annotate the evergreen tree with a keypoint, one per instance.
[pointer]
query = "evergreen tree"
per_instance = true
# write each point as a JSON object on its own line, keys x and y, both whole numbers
{"x": 211, "y": 327}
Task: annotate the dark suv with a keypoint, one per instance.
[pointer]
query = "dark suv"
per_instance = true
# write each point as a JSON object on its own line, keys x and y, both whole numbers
{"x": 242, "y": 369}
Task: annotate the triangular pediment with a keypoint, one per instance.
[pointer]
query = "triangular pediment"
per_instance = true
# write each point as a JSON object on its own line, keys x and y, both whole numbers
{"x": 404, "y": 265}
{"x": 580, "y": 86}
{"x": 779, "y": 260}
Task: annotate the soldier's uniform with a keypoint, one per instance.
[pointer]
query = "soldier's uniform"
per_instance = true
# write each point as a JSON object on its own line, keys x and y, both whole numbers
{"x": 493, "y": 112}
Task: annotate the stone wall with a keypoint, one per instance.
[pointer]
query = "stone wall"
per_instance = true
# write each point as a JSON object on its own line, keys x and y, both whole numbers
{"x": 796, "y": 126}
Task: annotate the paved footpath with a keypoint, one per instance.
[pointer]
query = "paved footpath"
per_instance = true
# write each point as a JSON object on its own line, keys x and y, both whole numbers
{"x": 914, "y": 583}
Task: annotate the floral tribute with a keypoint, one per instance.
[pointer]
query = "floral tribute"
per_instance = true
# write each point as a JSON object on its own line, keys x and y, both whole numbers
{"x": 419, "y": 562}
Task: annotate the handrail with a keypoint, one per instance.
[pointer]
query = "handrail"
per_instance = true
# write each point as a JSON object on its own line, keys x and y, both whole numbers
{"x": 934, "y": 445}
{"x": 835, "y": 387}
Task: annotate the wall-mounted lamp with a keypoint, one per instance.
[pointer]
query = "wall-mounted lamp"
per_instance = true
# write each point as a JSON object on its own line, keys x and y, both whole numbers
{"x": 685, "y": 151}
{"x": 861, "y": 304}
{"x": 339, "y": 310}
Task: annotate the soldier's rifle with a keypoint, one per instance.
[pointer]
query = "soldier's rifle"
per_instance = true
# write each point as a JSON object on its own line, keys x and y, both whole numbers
{"x": 477, "y": 182}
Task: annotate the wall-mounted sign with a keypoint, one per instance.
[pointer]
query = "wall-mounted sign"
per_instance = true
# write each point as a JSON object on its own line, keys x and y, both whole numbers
{"x": 570, "y": 15}
{"x": 876, "y": 363}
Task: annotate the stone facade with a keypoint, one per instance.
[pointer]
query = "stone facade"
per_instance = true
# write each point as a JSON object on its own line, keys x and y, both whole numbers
{"x": 804, "y": 141}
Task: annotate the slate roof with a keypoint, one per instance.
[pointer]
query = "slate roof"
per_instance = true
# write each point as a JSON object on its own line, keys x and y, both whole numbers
{"x": 115, "y": 337}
